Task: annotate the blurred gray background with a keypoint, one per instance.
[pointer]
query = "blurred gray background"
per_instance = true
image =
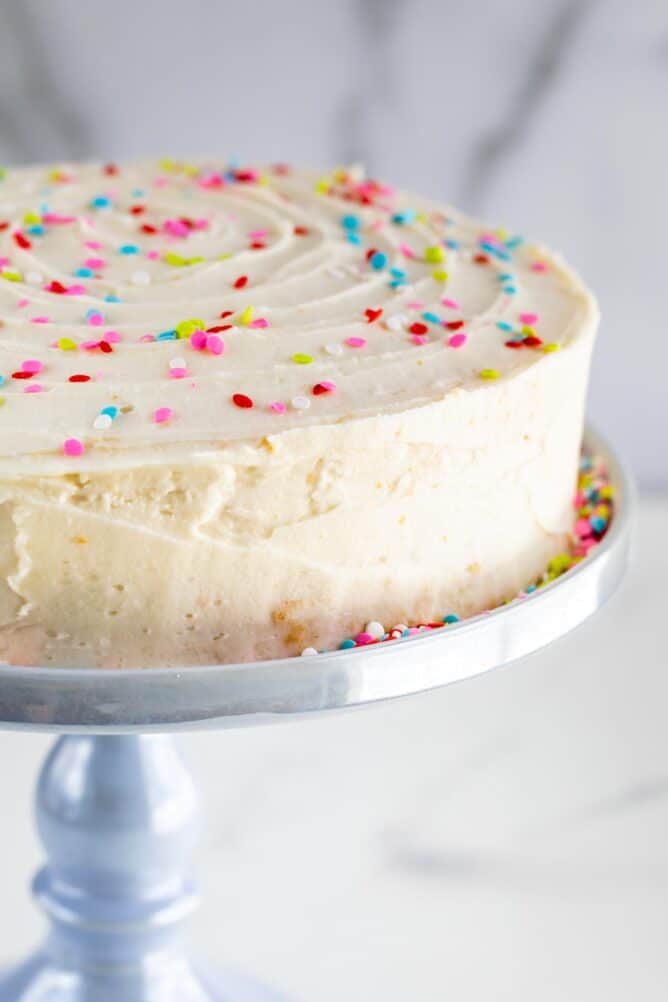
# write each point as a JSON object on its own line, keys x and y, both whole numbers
{"x": 505, "y": 839}
{"x": 548, "y": 116}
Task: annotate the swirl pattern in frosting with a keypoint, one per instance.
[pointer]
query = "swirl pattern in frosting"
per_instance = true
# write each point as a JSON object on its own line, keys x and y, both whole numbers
{"x": 161, "y": 310}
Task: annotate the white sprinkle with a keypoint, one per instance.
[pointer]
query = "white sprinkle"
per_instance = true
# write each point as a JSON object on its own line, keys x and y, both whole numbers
{"x": 102, "y": 421}
{"x": 400, "y": 628}
{"x": 177, "y": 363}
{"x": 376, "y": 629}
{"x": 140, "y": 278}
{"x": 396, "y": 322}
{"x": 334, "y": 349}
{"x": 300, "y": 403}
{"x": 308, "y": 651}
{"x": 34, "y": 277}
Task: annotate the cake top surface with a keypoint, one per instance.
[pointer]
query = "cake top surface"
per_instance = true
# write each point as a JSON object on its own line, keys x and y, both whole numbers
{"x": 159, "y": 310}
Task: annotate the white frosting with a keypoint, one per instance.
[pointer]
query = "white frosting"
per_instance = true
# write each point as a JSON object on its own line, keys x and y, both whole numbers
{"x": 390, "y": 479}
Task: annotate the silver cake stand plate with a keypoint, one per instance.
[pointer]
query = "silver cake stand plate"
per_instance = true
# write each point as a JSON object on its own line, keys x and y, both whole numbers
{"x": 117, "y": 809}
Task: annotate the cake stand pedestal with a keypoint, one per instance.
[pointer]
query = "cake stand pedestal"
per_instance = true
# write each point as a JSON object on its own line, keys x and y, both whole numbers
{"x": 116, "y": 807}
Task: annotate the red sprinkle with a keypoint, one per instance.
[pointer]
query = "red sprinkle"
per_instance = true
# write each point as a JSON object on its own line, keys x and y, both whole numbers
{"x": 79, "y": 377}
{"x": 56, "y": 287}
{"x": 219, "y": 329}
{"x": 110, "y": 169}
{"x": 324, "y": 387}
{"x": 137, "y": 210}
{"x": 372, "y": 315}
{"x": 22, "y": 374}
{"x": 418, "y": 328}
{"x": 241, "y": 281}
{"x": 454, "y": 325}
{"x": 514, "y": 344}
{"x": 301, "y": 231}
{"x": 105, "y": 347}
{"x": 481, "y": 259}
{"x": 21, "y": 240}
{"x": 146, "y": 228}
{"x": 241, "y": 400}
{"x": 226, "y": 313}
{"x": 532, "y": 341}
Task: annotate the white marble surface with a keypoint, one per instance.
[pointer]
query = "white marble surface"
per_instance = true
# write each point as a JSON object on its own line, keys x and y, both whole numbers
{"x": 506, "y": 838}
{"x": 548, "y": 116}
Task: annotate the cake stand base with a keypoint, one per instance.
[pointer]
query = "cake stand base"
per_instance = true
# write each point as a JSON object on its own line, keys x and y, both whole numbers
{"x": 118, "y": 818}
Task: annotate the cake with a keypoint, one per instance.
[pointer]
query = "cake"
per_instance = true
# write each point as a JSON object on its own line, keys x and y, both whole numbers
{"x": 246, "y": 410}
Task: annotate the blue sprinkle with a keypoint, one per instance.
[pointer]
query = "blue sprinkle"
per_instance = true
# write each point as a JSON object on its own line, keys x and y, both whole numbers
{"x": 84, "y": 272}
{"x": 166, "y": 336}
{"x": 128, "y": 249}
{"x": 37, "y": 230}
{"x": 452, "y": 244}
{"x": 503, "y": 325}
{"x": 511, "y": 244}
{"x": 111, "y": 298}
{"x": 350, "y": 222}
{"x": 586, "y": 463}
{"x": 378, "y": 261}
{"x": 397, "y": 283}
{"x": 597, "y": 523}
{"x": 138, "y": 192}
{"x": 346, "y": 645}
{"x": 2, "y": 380}
{"x": 530, "y": 589}
{"x": 405, "y": 633}
{"x": 111, "y": 411}
{"x": 405, "y": 216}
{"x": 510, "y": 289}
{"x": 100, "y": 202}
{"x": 353, "y": 238}
{"x": 494, "y": 250}
{"x": 398, "y": 273}
{"x": 506, "y": 276}
{"x": 431, "y": 318}
{"x": 451, "y": 618}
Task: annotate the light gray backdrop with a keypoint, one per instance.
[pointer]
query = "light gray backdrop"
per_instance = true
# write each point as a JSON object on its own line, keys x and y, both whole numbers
{"x": 549, "y": 116}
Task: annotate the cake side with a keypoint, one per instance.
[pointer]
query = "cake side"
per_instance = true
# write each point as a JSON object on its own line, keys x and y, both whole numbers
{"x": 391, "y": 429}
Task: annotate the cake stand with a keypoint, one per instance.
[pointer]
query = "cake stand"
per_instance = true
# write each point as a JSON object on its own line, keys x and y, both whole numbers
{"x": 116, "y": 807}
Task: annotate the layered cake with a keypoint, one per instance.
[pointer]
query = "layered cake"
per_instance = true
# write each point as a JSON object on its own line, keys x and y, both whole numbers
{"x": 246, "y": 410}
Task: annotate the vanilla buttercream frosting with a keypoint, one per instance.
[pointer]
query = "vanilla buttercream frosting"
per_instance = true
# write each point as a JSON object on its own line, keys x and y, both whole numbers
{"x": 245, "y": 408}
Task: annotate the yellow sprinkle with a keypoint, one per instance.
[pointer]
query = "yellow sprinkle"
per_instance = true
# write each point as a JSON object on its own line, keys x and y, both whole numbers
{"x": 528, "y": 330}
{"x": 301, "y": 359}
{"x": 3, "y": 401}
{"x": 12, "y": 276}
{"x": 168, "y": 165}
{"x": 246, "y": 317}
{"x": 421, "y": 217}
{"x": 502, "y": 233}
{"x": 322, "y": 186}
{"x": 190, "y": 169}
{"x": 489, "y": 374}
{"x": 67, "y": 344}
{"x": 434, "y": 254}
{"x": 551, "y": 347}
{"x": 223, "y": 257}
{"x": 187, "y": 327}
{"x": 439, "y": 275}
{"x": 607, "y": 492}
{"x": 32, "y": 218}
{"x": 174, "y": 259}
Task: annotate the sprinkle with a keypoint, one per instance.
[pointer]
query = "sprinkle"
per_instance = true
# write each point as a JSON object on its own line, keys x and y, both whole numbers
{"x": 79, "y": 377}
{"x": 73, "y": 447}
{"x": 539, "y": 266}
{"x": 300, "y": 403}
{"x": 214, "y": 344}
{"x": 450, "y": 618}
{"x": 241, "y": 400}
{"x": 439, "y": 275}
{"x": 128, "y": 249}
{"x": 418, "y": 328}
{"x": 186, "y": 327}
{"x": 503, "y": 325}
{"x": 32, "y": 366}
{"x": 198, "y": 340}
{"x": 278, "y": 407}
{"x": 162, "y": 414}
{"x": 378, "y": 260}
{"x": 488, "y": 374}
{"x": 246, "y": 316}
{"x": 404, "y": 217}
{"x": 333, "y": 349}
{"x": 457, "y": 340}
{"x": 308, "y": 652}
{"x": 102, "y": 422}
{"x": 301, "y": 359}
{"x": 356, "y": 342}
{"x": 372, "y": 315}
{"x": 323, "y": 387}
{"x": 351, "y": 222}
{"x": 529, "y": 318}
{"x": 375, "y": 629}
{"x": 94, "y": 318}
{"x": 34, "y": 388}
{"x": 433, "y": 255}
{"x": 552, "y": 346}
{"x": 67, "y": 344}
{"x": 241, "y": 282}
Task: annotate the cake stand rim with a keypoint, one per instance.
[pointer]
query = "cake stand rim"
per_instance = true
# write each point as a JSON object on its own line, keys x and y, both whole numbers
{"x": 95, "y": 691}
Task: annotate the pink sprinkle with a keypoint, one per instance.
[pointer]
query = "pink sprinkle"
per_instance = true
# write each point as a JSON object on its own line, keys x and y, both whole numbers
{"x": 259, "y": 323}
{"x": 4, "y": 261}
{"x": 145, "y": 338}
{"x": 34, "y": 388}
{"x": 356, "y": 342}
{"x": 457, "y": 340}
{"x": 76, "y": 290}
{"x": 583, "y": 527}
{"x": 175, "y": 228}
{"x": 529, "y": 318}
{"x": 214, "y": 344}
{"x": 539, "y": 266}
{"x": 39, "y": 320}
{"x": 278, "y": 407}
{"x": 160, "y": 182}
{"x": 198, "y": 340}
{"x": 95, "y": 262}
{"x": 419, "y": 339}
{"x": 73, "y": 447}
{"x": 22, "y": 302}
{"x": 258, "y": 234}
{"x": 327, "y": 385}
{"x": 416, "y": 304}
{"x": 92, "y": 244}
{"x": 153, "y": 255}
{"x": 32, "y": 365}
{"x": 162, "y": 414}
{"x": 363, "y": 638}
{"x": 90, "y": 345}
{"x": 407, "y": 251}
{"x": 95, "y": 319}
{"x": 113, "y": 337}
{"x": 452, "y": 304}
{"x": 178, "y": 373}
{"x": 55, "y": 217}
